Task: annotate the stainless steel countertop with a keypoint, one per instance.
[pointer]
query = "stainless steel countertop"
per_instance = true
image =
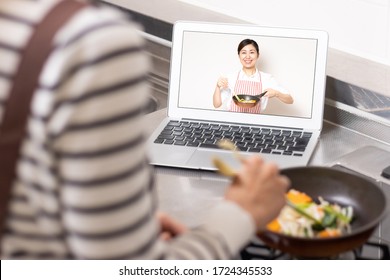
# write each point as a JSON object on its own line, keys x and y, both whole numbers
{"x": 188, "y": 194}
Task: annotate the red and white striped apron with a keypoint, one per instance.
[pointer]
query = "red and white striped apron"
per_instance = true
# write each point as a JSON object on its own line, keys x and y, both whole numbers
{"x": 249, "y": 88}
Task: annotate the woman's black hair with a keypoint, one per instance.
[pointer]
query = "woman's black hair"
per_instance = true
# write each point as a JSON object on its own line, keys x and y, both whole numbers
{"x": 246, "y": 42}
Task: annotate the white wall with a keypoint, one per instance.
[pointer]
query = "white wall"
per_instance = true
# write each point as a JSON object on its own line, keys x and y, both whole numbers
{"x": 359, "y": 30}
{"x": 358, "y": 27}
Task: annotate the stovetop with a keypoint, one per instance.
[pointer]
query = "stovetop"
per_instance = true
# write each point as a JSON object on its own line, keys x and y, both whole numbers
{"x": 371, "y": 250}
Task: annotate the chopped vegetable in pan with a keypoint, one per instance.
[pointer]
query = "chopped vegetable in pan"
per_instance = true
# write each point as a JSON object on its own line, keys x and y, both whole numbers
{"x": 302, "y": 217}
{"x": 248, "y": 101}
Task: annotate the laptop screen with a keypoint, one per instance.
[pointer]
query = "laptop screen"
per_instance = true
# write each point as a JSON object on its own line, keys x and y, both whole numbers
{"x": 221, "y": 69}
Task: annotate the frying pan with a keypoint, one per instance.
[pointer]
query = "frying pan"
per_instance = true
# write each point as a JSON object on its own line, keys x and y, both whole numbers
{"x": 247, "y": 97}
{"x": 344, "y": 188}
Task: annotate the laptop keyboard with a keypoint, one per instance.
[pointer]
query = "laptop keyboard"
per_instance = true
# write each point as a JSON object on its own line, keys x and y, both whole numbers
{"x": 246, "y": 138}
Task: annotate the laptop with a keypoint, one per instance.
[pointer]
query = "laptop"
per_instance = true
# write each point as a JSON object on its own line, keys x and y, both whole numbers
{"x": 202, "y": 52}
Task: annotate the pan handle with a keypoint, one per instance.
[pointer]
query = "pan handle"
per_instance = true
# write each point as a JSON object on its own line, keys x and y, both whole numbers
{"x": 262, "y": 94}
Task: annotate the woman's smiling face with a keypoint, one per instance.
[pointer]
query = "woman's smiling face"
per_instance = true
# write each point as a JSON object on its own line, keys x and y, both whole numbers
{"x": 248, "y": 56}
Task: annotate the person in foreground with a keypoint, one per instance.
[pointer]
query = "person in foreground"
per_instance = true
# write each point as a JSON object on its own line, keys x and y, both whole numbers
{"x": 84, "y": 188}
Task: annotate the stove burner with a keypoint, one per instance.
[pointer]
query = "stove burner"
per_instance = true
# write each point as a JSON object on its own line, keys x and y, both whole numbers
{"x": 262, "y": 252}
{"x": 258, "y": 251}
{"x": 384, "y": 251}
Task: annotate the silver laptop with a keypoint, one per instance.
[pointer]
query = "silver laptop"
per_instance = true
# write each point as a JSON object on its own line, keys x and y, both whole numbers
{"x": 283, "y": 132}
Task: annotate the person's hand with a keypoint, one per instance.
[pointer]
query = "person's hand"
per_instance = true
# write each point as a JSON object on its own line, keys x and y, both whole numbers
{"x": 222, "y": 83}
{"x": 286, "y": 98}
{"x": 259, "y": 189}
{"x": 169, "y": 226}
{"x": 271, "y": 93}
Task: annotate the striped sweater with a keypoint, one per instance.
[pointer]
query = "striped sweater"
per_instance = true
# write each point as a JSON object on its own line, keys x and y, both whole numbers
{"x": 84, "y": 188}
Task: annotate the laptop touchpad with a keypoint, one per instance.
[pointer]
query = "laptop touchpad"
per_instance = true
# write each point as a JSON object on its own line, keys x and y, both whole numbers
{"x": 204, "y": 159}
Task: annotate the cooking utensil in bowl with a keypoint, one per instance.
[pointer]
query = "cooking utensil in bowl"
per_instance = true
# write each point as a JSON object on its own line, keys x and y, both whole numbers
{"x": 246, "y": 100}
{"x": 344, "y": 188}
{"x": 238, "y": 98}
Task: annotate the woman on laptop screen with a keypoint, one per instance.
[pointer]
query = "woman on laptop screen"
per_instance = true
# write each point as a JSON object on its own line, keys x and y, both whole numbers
{"x": 249, "y": 89}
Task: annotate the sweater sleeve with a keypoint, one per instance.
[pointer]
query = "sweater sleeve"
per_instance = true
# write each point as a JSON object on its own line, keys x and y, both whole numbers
{"x": 223, "y": 234}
